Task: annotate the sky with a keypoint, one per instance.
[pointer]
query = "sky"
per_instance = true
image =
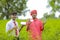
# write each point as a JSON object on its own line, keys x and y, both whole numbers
{"x": 40, "y": 6}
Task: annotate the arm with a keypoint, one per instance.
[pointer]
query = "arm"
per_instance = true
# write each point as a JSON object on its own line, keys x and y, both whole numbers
{"x": 8, "y": 28}
{"x": 9, "y": 31}
{"x": 21, "y": 28}
{"x": 28, "y": 24}
{"x": 41, "y": 26}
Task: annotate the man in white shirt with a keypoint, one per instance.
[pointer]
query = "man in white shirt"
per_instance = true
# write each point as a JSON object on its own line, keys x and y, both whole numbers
{"x": 12, "y": 26}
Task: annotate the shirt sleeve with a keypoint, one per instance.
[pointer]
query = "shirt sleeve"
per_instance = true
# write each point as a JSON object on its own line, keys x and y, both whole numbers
{"x": 7, "y": 27}
{"x": 41, "y": 26}
{"x": 27, "y": 24}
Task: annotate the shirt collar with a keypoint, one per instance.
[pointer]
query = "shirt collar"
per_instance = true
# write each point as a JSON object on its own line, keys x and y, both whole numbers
{"x": 35, "y": 19}
{"x": 12, "y": 20}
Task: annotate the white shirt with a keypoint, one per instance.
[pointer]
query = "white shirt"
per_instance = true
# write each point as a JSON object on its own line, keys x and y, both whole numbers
{"x": 10, "y": 25}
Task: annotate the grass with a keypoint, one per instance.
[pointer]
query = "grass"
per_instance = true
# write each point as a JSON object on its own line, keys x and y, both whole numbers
{"x": 51, "y": 30}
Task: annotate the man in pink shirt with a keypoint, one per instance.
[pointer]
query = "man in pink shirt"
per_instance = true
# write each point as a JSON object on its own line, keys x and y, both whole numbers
{"x": 34, "y": 27}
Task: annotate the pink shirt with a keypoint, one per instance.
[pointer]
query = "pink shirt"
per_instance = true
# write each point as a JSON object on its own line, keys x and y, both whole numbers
{"x": 36, "y": 26}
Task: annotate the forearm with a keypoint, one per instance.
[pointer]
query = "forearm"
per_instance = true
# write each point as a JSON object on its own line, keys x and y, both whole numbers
{"x": 27, "y": 28}
{"x": 10, "y": 30}
{"x": 21, "y": 28}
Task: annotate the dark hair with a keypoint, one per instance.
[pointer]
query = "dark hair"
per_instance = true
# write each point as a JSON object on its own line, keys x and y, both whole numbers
{"x": 14, "y": 13}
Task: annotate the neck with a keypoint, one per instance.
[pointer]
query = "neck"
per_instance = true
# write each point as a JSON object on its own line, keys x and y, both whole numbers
{"x": 34, "y": 18}
{"x": 13, "y": 19}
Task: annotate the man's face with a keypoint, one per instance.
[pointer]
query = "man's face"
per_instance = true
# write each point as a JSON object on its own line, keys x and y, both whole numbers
{"x": 34, "y": 15}
{"x": 13, "y": 16}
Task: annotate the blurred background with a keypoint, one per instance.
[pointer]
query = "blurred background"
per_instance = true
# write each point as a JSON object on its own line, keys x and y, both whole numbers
{"x": 48, "y": 11}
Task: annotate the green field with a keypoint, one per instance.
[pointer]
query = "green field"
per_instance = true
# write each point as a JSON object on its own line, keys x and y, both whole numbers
{"x": 51, "y": 30}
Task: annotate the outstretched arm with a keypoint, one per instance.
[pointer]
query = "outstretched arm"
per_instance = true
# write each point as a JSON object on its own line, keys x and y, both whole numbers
{"x": 21, "y": 28}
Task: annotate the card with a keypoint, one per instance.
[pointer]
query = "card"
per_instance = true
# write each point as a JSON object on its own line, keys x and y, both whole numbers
{"x": 23, "y": 23}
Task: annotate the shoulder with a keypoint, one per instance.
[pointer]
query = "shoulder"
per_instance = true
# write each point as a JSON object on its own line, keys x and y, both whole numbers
{"x": 16, "y": 22}
{"x": 9, "y": 22}
{"x": 40, "y": 20}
